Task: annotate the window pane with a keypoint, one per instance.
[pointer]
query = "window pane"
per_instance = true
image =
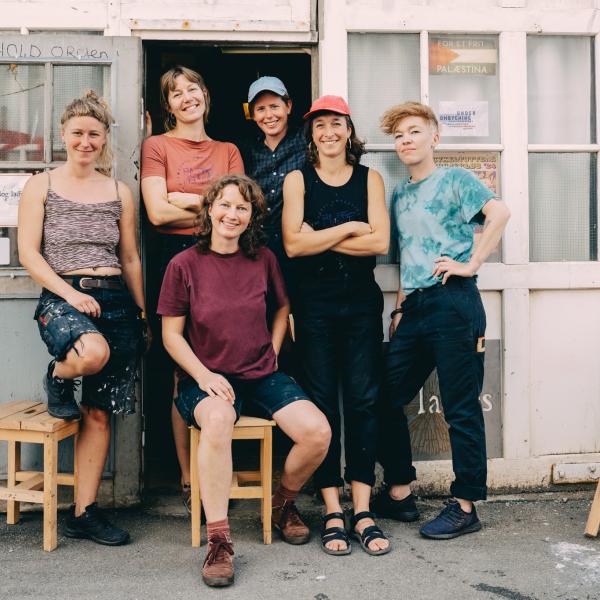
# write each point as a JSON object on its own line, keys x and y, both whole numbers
{"x": 392, "y": 171}
{"x": 21, "y": 112}
{"x": 485, "y": 166}
{"x": 560, "y": 94}
{"x": 464, "y": 88}
{"x": 378, "y": 63}
{"x": 562, "y": 207}
{"x": 70, "y": 82}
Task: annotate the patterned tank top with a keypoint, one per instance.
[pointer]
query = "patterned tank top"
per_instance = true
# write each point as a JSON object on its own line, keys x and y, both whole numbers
{"x": 80, "y": 236}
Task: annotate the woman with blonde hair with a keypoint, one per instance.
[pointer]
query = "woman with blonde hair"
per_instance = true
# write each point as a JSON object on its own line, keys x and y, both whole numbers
{"x": 77, "y": 239}
{"x": 177, "y": 169}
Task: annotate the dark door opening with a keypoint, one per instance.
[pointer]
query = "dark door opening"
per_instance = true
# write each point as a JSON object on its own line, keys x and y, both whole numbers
{"x": 228, "y": 72}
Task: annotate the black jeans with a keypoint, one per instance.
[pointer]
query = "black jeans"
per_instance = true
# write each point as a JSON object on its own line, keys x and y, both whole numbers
{"x": 441, "y": 327}
{"x": 344, "y": 338}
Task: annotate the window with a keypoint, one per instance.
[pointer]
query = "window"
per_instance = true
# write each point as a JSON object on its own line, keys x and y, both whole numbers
{"x": 457, "y": 75}
{"x": 563, "y": 214}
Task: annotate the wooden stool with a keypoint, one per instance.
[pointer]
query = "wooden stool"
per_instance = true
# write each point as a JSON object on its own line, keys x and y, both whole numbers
{"x": 247, "y": 428}
{"x": 593, "y": 522}
{"x": 24, "y": 421}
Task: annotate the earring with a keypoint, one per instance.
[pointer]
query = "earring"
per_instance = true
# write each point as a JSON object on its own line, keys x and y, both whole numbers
{"x": 349, "y": 144}
{"x": 172, "y": 120}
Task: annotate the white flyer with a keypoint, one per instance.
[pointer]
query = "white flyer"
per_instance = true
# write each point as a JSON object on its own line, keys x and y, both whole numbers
{"x": 11, "y": 186}
{"x": 465, "y": 119}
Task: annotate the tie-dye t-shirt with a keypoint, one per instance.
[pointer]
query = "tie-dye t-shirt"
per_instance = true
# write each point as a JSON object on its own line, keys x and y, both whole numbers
{"x": 436, "y": 217}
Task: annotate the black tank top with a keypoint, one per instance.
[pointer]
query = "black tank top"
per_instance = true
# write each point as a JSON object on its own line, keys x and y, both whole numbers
{"x": 326, "y": 206}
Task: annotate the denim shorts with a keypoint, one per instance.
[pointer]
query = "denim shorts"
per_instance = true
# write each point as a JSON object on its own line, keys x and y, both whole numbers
{"x": 269, "y": 394}
{"x": 120, "y": 323}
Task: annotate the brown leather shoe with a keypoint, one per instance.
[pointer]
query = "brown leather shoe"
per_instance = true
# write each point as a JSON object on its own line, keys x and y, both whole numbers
{"x": 287, "y": 520}
{"x": 217, "y": 570}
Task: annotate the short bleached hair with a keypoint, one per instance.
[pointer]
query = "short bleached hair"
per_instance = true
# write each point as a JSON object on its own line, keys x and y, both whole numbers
{"x": 392, "y": 116}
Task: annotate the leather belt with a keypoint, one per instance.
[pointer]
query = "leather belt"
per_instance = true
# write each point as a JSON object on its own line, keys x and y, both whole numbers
{"x": 88, "y": 283}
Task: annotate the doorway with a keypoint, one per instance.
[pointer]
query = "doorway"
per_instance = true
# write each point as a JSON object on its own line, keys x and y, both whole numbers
{"x": 228, "y": 72}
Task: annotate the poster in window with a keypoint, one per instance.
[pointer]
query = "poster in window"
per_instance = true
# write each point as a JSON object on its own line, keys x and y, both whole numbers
{"x": 460, "y": 55}
{"x": 463, "y": 119}
{"x": 11, "y": 186}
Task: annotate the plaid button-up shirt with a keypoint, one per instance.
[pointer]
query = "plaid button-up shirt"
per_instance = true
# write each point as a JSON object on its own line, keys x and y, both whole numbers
{"x": 269, "y": 168}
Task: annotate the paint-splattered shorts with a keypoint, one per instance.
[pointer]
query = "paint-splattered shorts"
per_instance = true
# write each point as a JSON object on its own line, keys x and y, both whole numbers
{"x": 61, "y": 325}
{"x": 269, "y": 394}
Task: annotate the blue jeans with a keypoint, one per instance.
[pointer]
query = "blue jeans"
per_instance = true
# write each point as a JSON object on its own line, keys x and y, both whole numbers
{"x": 270, "y": 394}
{"x": 441, "y": 327}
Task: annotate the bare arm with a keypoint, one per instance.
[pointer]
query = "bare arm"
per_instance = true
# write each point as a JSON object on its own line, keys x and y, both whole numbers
{"x": 186, "y": 201}
{"x": 160, "y": 210}
{"x": 31, "y": 226}
{"x": 129, "y": 256}
{"x": 378, "y": 241}
{"x": 299, "y": 242}
{"x": 279, "y": 327}
{"x": 178, "y": 347}
{"x": 496, "y": 216}
{"x": 400, "y": 297}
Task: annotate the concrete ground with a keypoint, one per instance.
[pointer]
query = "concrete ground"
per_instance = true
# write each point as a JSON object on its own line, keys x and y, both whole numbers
{"x": 531, "y": 548}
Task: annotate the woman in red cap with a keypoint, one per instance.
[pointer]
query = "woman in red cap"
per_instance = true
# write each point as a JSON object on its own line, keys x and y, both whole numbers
{"x": 334, "y": 224}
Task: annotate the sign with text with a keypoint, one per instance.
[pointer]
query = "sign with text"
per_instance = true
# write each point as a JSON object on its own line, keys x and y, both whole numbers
{"x": 485, "y": 165}
{"x": 11, "y": 186}
{"x": 465, "y": 119}
{"x": 458, "y": 55}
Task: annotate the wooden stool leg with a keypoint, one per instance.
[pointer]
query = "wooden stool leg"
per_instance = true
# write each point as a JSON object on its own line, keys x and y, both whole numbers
{"x": 13, "y": 507}
{"x": 50, "y": 486}
{"x": 195, "y": 485}
{"x": 593, "y": 522}
{"x": 266, "y": 475}
{"x": 75, "y": 440}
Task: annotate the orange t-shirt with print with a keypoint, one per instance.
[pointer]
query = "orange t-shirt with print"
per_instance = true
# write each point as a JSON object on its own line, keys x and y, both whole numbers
{"x": 188, "y": 166}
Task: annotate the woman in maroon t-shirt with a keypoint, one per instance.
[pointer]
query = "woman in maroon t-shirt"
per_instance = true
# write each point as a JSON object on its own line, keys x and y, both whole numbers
{"x": 213, "y": 304}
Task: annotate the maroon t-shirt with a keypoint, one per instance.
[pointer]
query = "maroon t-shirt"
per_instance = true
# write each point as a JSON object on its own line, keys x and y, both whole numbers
{"x": 224, "y": 297}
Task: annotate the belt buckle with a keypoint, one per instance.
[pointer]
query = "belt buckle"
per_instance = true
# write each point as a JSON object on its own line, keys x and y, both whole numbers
{"x": 82, "y": 286}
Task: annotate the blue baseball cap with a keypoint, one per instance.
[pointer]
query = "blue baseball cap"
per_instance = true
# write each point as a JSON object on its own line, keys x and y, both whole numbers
{"x": 266, "y": 84}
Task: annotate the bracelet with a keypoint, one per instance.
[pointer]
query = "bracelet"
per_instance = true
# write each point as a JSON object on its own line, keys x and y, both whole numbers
{"x": 396, "y": 311}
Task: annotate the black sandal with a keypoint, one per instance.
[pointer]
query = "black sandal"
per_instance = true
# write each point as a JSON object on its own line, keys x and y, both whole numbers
{"x": 329, "y": 534}
{"x": 370, "y": 533}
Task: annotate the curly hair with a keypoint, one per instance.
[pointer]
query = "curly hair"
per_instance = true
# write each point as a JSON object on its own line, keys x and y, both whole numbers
{"x": 253, "y": 238}
{"x": 92, "y": 105}
{"x": 353, "y": 152}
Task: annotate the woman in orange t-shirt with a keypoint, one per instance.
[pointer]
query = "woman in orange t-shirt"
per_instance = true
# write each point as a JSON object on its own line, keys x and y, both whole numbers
{"x": 177, "y": 169}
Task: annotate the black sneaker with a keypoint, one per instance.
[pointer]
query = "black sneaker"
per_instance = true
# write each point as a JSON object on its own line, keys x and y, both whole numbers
{"x": 93, "y": 525}
{"x": 383, "y": 505}
{"x": 451, "y": 522}
{"x": 61, "y": 399}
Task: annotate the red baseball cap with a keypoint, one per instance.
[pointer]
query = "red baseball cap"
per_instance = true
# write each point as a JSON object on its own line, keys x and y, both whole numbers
{"x": 334, "y": 104}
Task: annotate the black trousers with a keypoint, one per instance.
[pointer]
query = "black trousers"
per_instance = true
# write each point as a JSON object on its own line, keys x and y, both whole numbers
{"x": 342, "y": 341}
{"x": 441, "y": 327}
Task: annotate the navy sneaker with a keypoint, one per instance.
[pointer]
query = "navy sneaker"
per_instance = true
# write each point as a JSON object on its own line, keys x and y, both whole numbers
{"x": 93, "y": 525}
{"x": 61, "y": 398}
{"x": 451, "y": 522}
{"x": 383, "y": 505}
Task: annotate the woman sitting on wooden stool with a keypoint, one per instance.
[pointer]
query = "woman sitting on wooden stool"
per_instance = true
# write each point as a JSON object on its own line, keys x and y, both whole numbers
{"x": 213, "y": 304}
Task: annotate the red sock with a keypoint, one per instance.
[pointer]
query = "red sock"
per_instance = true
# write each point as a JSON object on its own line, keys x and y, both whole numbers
{"x": 218, "y": 529}
{"x": 283, "y": 495}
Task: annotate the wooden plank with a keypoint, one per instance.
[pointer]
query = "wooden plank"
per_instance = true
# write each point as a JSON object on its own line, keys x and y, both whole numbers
{"x": 13, "y": 507}
{"x": 33, "y": 437}
{"x": 35, "y": 482}
{"x": 247, "y": 476}
{"x": 246, "y": 492}
{"x": 248, "y": 433}
{"x": 266, "y": 475}
{"x": 13, "y": 493}
{"x": 593, "y": 522}
{"x": 50, "y": 483}
{"x": 254, "y": 422}
{"x": 61, "y": 478}
{"x": 44, "y": 422}
{"x": 16, "y": 420}
{"x": 10, "y": 408}
{"x": 15, "y": 406}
